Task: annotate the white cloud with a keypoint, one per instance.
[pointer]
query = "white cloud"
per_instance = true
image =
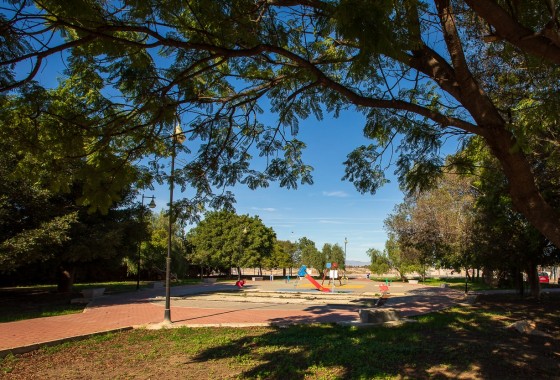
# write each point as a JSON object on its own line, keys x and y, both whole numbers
{"x": 267, "y": 209}
{"x": 337, "y": 194}
{"x": 330, "y": 221}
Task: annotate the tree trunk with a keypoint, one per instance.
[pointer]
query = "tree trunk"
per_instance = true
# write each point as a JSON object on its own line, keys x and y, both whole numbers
{"x": 533, "y": 278}
{"x": 524, "y": 193}
{"x": 526, "y": 197}
{"x": 518, "y": 281}
{"x": 65, "y": 279}
{"x": 238, "y": 273}
{"x": 486, "y": 276}
{"x": 509, "y": 28}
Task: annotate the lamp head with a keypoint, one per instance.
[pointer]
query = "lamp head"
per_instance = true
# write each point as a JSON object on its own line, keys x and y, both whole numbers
{"x": 152, "y": 204}
{"x": 178, "y": 134}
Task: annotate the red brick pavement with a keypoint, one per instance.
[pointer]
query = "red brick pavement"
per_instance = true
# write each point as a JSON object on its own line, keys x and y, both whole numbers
{"x": 136, "y": 309}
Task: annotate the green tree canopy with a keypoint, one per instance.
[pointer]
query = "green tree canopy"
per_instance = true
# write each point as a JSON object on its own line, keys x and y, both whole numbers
{"x": 310, "y": 255}
{"x": 380, "y": 263}
{"x": 224, "y": 239}
{"x": 283, "y": 255}
{"x": 402, "y": 258}
{"x": 41, "y": 228}
{"x": 421, "y": 71}
{"x": 333, "y": 253}
{"x": 154, "y": 246}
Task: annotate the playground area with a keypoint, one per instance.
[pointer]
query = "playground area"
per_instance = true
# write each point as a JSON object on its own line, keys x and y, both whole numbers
{"x": 310, "y": 284}
{"x": 312, "y": 300}
{"x": 331, "y": 280}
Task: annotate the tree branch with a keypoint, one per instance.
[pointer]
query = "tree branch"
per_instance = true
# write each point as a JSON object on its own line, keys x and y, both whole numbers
{"x": 511, "y": 30}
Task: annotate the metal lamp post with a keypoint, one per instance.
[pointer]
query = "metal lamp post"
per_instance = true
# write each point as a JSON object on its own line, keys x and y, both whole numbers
{"x": 345, "y": 242}
{"x": 152, "y": 204}
{"x": 179, "y": 137}
{"x": 243, "y": 236}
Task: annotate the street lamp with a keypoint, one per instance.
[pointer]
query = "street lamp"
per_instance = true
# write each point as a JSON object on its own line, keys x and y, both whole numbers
{"x": 345, "y": 242}
{"x": 243, "y": 237}
{"x": 179, "y": 137}
{"x": 152, "y": 204}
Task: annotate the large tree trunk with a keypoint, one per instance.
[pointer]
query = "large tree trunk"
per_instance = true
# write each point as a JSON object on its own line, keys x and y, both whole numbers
{"x": 523, "y": 190}
{"x": 533, "y": 279}
{"x": 458, "y": 81}
{"x": 65, "y": 279}
{"x": 536, "y": 42}
{"x": 518, "y": 281}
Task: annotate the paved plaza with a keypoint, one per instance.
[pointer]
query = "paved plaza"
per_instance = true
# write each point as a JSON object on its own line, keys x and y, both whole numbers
{"x": 258, "y": 303}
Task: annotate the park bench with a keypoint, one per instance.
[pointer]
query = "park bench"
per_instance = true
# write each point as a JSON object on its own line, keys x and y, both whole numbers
{"x": 257, "y": 278}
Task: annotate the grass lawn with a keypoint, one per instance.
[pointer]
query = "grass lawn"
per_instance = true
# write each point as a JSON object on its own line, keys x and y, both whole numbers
{"x": 466, "y": 342}
{"x": 453, "y": 282}
{"x": 458, "y": 283}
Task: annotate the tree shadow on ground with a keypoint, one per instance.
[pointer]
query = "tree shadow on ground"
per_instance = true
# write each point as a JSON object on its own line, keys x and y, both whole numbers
{"x": 464, "y": 342}
{"x": 17, "y": 303}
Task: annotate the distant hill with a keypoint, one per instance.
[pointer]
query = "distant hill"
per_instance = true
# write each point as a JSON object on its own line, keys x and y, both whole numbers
{"x": 355, "y": 263}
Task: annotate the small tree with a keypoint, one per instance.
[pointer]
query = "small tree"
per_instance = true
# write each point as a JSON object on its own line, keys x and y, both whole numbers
{"x": 399, "y": 260}
{"x": 153, "y": 250}
{"x": 380, "y": 263}
{"x": 283, "y": 255}
{"x": 310, "y": 255}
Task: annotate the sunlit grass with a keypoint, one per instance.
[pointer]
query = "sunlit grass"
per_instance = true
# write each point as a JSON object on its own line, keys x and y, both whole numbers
{"x": 439, "y": 344}
{"x": 457, "y": 283}
{"x": 466, "y": 341}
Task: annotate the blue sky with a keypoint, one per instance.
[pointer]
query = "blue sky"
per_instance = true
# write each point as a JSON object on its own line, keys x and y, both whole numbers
{"x": 328, "y": 211}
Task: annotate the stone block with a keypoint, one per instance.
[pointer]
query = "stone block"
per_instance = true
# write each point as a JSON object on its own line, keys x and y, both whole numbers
{"x": 378, "y": 316}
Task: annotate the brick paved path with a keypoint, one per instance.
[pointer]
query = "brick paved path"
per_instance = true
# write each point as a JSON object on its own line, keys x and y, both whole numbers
{"x": 146, "y": 307}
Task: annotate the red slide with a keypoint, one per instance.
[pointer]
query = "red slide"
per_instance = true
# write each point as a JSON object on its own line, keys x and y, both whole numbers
{"x": 316, "y": 284}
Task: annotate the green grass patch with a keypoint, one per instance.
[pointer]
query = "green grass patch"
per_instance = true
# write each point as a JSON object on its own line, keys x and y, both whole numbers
{"x": 18, "y": 314}
{"x": 461, "y": 342}
{"x": 112, "y": 286}
{"x": 457, "y": 283}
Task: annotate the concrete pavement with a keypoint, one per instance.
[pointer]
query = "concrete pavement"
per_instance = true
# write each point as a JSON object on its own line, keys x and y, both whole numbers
{"x": 222, "y": 304}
